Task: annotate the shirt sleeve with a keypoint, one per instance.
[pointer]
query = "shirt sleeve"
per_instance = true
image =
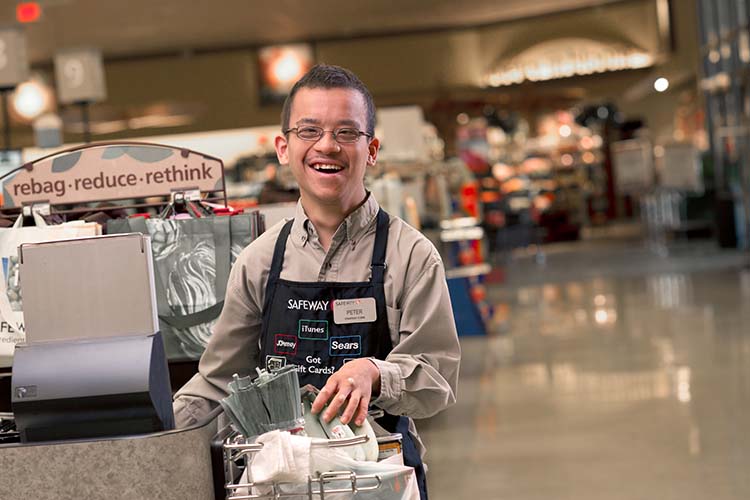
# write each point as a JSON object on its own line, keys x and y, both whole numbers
{"x": 419, "y": 377}
{"x": 233, "y": 347}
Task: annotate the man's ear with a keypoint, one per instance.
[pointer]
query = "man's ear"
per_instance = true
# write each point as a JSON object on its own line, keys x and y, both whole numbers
{"x": 372, "y": 151}
{"x": 281, "y": 147}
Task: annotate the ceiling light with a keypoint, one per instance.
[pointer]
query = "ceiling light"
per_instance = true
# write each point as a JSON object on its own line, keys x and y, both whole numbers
{"x": 661, "y": 84}
{"x": 31, "y": 99}
{"x": 282, "y": 65}
{"x": 287, "y": 68}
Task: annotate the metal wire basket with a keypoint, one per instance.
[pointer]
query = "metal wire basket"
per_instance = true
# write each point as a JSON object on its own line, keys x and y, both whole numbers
{"x": 238, "y": 453}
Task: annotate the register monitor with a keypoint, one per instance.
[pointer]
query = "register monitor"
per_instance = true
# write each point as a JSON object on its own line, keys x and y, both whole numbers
{"x": 93, "y": 364}
{"x": 91, "y": 388}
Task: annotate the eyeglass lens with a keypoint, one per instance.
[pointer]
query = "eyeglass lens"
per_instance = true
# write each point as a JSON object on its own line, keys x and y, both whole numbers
{"x": 310, "y": 133}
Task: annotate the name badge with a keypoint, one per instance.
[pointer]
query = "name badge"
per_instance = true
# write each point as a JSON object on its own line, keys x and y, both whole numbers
{"x": 354, "y": 311}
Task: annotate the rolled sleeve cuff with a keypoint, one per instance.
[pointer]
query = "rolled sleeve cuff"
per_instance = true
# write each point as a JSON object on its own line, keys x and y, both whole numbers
{"x": 391, "y": 384}
{"x": 189, "y": 410}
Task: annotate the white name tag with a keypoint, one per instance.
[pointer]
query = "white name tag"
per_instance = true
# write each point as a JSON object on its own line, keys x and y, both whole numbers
{"x": 354, "y": 311}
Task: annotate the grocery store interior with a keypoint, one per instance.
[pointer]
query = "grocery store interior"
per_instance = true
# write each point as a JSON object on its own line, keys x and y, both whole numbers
{"x": 583, "y": 167}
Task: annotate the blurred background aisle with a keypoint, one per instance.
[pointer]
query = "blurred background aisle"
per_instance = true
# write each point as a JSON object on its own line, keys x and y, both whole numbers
{"x": 614, "y": 373}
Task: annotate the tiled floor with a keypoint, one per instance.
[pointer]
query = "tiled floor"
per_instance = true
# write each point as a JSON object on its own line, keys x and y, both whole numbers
{"x": 616, "y": 375}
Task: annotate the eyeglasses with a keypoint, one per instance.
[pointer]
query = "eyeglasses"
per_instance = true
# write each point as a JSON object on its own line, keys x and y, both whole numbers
{"x": 312, "y": 133}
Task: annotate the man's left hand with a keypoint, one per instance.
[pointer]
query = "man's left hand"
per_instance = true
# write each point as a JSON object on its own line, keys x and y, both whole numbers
{"x": 355, "y": 382}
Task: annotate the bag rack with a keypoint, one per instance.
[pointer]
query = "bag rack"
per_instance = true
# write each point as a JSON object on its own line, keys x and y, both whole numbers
{"x": 237, "y": 448}
{"x": 65, "y": 179}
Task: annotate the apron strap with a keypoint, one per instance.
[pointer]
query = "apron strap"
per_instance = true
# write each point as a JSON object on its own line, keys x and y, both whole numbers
{"x": 278, "y": 252}
{"x": 378, "y": 252}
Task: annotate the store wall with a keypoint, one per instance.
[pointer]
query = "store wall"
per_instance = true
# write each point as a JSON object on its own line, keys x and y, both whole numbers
{"x": 423, "y": 68}
{"x": 410, "y": 63}
{"x": 225, "y": 85}
{"x": 630, "y": 23}
{"x": 682, "y": 69}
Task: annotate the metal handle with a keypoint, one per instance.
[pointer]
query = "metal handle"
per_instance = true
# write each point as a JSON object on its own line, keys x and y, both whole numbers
{"x": 316, "y": 486}
{"x": 328, "y": 443}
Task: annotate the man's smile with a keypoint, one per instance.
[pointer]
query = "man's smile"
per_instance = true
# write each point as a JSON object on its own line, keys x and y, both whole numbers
{"x": 326, "y": 166}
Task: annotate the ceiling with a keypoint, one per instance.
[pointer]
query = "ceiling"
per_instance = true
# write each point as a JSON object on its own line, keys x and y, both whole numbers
{"x": 131, "y": 28}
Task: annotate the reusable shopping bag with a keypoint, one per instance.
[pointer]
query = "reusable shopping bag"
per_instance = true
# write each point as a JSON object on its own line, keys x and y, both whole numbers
{"x": 11, "y": 307}
{"x": 192, "y": 259}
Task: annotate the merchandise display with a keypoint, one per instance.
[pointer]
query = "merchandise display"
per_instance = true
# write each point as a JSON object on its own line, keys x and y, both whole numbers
{"x": 194, "y": 240}
{"x": 724, "y": 54}
{"x": 192, "y": 259}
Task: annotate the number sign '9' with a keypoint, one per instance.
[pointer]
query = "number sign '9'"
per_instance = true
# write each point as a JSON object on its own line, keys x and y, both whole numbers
{"x": 80, "y": 76}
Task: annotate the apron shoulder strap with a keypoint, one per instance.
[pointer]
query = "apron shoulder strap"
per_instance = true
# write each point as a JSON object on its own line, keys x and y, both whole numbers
{"x": 381, "y": 243}
{"x": 278, "y": 252}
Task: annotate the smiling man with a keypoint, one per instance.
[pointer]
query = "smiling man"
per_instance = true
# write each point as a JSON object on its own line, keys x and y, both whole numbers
{"x": 352, "y": 296}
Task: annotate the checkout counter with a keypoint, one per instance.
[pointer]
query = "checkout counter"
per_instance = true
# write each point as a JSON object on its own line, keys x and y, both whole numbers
{"x": 166, "y": 465}
{"x": 93, "y": 412}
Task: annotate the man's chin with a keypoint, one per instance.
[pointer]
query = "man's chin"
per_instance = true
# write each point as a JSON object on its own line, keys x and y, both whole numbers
{"x": 338, "y": 198}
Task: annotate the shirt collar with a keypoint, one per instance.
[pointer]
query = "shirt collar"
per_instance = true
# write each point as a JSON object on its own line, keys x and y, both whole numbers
{"x": 355, "y": 224}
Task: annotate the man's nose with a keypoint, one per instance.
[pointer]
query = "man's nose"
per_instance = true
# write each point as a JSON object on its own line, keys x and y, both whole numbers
{"x": 327, "y": 143}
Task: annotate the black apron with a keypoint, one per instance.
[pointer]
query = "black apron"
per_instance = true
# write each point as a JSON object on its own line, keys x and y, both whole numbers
{"x": 299, "y": 328}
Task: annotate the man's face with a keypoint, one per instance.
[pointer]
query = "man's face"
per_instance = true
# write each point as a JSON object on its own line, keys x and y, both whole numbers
{"x": 328, "y": 173}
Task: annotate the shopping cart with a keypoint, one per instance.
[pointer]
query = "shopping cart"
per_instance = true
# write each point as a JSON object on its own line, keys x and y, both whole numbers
{"x": 236, "y": 452}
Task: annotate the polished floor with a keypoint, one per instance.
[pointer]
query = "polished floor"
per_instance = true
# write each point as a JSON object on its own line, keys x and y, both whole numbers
{"x": 611, "y": 373}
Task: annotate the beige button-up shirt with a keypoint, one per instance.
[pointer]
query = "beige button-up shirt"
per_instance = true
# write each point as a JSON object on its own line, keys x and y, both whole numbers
{"x": 418, "y": 377}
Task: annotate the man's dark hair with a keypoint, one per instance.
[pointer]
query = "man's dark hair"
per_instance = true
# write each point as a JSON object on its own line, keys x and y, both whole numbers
{"x": 325, "y": 76}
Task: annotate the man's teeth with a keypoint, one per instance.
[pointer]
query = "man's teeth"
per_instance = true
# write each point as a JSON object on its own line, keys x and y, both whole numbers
{"x": 327, "y": 168}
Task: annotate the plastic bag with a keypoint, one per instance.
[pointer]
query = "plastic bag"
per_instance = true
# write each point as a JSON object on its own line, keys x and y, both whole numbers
{"x": 292, "y": 458}
{"x": 11, "y": 305}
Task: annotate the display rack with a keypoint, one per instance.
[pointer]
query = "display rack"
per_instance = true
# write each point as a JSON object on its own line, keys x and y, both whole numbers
{"x": 662, "y": 213}
{"x": 107, "y": 181}
{"x": 237, "y": 449}
{"x": 725, "y": 52}
{"x": 122, "y": 171}
{"x": 461, "y": 241}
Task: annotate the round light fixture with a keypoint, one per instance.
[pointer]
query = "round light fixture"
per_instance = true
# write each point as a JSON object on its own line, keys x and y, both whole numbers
{"x": 661, "y": 84}
{"x": 31, "y": 99}
{"x": 288, "y": 67}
